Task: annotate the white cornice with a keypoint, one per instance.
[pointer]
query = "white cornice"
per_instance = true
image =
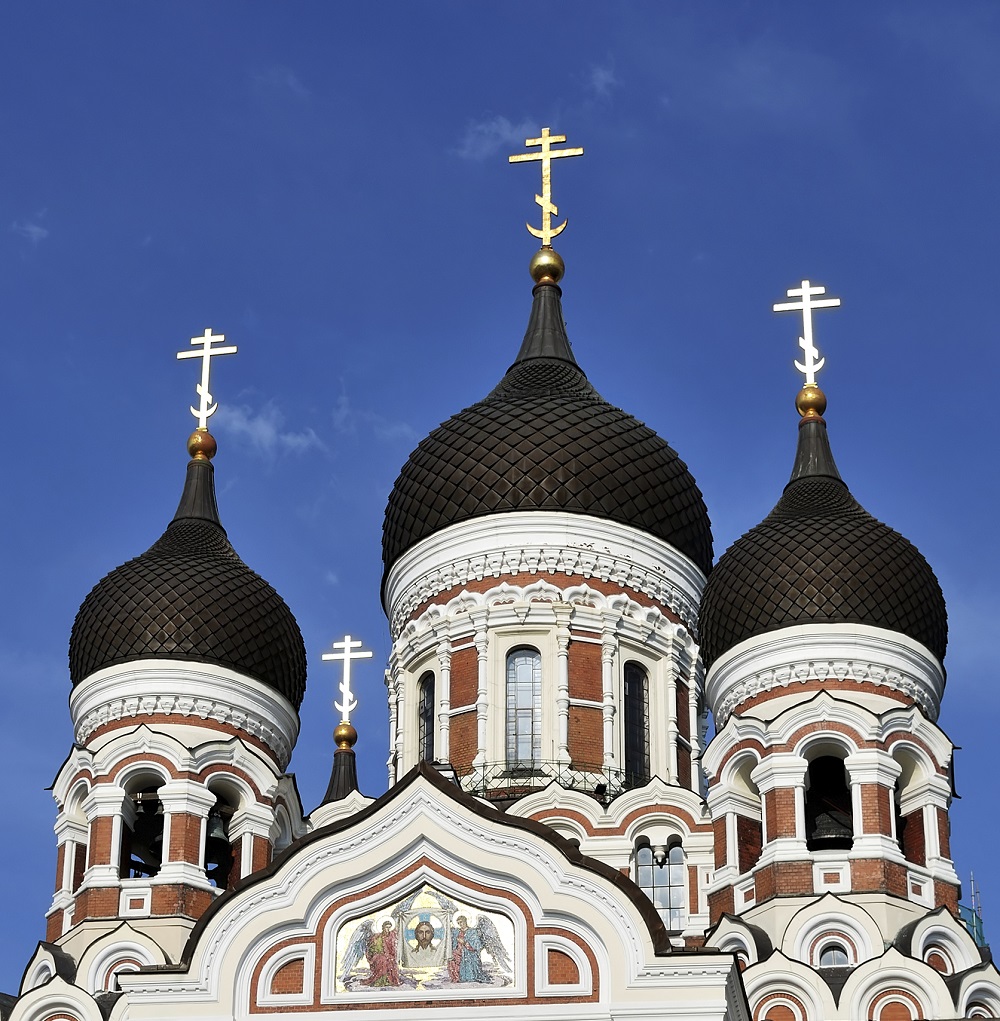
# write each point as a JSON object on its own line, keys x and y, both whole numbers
{"x": 548, "y": 542}
{"x": 186, "y": 691}
{"x": 807, "y": 652}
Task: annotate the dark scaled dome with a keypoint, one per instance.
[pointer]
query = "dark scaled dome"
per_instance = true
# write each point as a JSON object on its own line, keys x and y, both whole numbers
{"x": 820, "y": 557}
{"x": 190, "y": 597}
{"x": 544, "y": 439}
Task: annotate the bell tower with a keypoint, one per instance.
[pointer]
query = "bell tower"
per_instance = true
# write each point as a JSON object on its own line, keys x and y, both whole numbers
{"x": 823, "y": 632}
{"x": 187, "y": 672}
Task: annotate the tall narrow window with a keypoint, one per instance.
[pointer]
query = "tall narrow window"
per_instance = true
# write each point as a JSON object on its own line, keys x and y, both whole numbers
{"x": 524, "y": 709}
{"x": 665, "y": 883}
{"x": 636, "y": 725}
{"x": 425, "y": 717}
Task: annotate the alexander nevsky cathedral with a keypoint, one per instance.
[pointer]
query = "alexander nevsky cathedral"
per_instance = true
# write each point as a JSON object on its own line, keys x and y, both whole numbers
{"x": 560, "y": 839}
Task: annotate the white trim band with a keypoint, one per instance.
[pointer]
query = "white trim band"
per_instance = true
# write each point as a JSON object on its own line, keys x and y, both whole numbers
{"x": 186, "y": 690}
{"x": 542, "y": 542}
{"x": 809, "y": 652}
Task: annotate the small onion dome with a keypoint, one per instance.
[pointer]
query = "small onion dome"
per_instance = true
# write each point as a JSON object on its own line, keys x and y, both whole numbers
{"x": 820, "y": 558}
{"x": 544, "y": 439}
{"x": 190, "y": 597}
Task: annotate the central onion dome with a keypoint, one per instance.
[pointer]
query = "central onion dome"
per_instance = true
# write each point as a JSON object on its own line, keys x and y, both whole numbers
{"x": 190, "y": 597}
{"x": 544, "y": 439}
{"x": 820, "y": 557}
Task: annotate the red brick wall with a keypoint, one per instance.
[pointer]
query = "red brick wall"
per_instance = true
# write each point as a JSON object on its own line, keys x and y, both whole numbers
{"x": 289, "y": 978}
{"x": 684, "y": 767}
{"x": 586, "y": 737}
{"x": 876, "y": 809}
{"x": 464, "y": 741}
{"x": 913, "y": 839}
{"x": 683, "y": 710}
{"x": 585, "y": 671}
{"x": 779, "y": 804}
{"x": 562, "y": 969}
{"x": 185, "y": 837}
{"x": 944, "y": 833}
{"x": 719, "y": 832}
{"x": 100, "y": 840}
{"x": 79, "y": 866}
{"x": 464, "y": 678}
{"x": 749, "y": 838}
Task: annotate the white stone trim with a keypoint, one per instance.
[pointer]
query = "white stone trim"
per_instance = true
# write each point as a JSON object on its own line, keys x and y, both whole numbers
{"x": 543, "y": 944}
{"x": 186, "y": 691}
{"x": 112, "y": 955}
{"x": 806, "y": 652}
{"x": 549, "y": 542}
{"x": 299, "y": 951}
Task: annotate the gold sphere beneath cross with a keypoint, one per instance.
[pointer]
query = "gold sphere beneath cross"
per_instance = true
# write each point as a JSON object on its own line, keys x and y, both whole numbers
{"x": 810, "y": 402}
{"x": 345, "y": 735}
{"x": 547, "y": 266}
{"x": 201, "y": 445}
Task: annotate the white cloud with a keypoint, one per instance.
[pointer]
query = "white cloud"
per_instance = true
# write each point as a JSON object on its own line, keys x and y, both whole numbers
{"x": 602, "y": 80}
{"x": 265, "y": 429}
{"x": 281, "y": 79}
{"x": 349, "y": 421}
{"x": 483, "y": 139}
{"x": 34, "y": 232}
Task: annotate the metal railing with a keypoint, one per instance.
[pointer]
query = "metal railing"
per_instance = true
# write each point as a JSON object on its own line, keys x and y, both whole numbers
{"x": 504, "y": 780}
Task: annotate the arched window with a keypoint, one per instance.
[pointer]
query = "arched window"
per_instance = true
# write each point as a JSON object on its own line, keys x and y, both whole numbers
{"x": 524, "y": 709}
{"x": 662, "y": 878}
{"x": 636, "y": 725}
{"x": 425, "y": 717}
{"x": 219, "y": 858}
{"x": 142, "y": 831}
{"x": 829, "y": 811}
{"x": 834, "y": 955}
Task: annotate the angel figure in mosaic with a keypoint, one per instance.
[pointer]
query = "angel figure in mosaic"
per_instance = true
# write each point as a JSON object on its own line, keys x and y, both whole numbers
{"x": 469, "y": 942}
{"x": 378, "y": 948}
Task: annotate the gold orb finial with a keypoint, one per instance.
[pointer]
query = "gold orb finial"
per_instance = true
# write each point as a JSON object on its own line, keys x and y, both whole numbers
{"x": 345, "y": 735}
{"x": 547, "y": 266}
{"x": 201, "y": 445}
{"x": 810, "y": 402}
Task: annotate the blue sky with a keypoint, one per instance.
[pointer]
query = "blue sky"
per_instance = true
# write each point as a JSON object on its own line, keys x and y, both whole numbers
{"x": 327, "y": 184}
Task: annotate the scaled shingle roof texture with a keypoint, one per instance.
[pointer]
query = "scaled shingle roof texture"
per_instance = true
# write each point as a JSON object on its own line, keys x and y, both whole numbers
{"x": 190, "y": 597}
{"x": 820, "y": 557}
{"x": 545, "y": 439}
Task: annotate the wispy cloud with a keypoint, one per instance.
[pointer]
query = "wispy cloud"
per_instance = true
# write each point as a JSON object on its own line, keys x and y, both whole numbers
{"x": 602, "y": 81}
{"x": 349, "y": 420}
{"x": 280, "y": 79}
{"x": 33, "y": 232}
{"x": 265, "y": 429}
{"x": 486, "y": 138}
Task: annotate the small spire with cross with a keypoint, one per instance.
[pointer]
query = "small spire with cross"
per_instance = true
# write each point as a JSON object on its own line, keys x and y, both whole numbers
{"x": 546, "y": 155}
{"x": 349, "y": 650}
{"x": 207, "y": 343}
{"x": 806, "y": 293}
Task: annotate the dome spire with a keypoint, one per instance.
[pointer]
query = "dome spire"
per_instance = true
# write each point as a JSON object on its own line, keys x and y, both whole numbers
{"x": 344, "y": 775}
{"x": 546, "y": 333}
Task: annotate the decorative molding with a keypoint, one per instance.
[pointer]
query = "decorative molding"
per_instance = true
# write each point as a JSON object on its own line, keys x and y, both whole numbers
{"x": 189, "y": 691}
{"x": 809, "y": 652}
{"x": 547, "y": 542}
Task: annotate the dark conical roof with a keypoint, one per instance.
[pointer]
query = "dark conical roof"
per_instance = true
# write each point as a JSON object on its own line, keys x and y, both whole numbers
{"x": 545, "y": 439}
{"x": 820, "y": 557}
{"x": 190, "y": 597}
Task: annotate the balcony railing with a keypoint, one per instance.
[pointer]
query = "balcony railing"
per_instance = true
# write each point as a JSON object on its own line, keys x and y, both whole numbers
{"x": 503, "y": 780}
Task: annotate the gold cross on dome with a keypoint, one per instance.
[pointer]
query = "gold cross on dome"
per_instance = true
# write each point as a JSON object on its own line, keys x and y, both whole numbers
{"x": 206, "y": 408}
{"x": 547, "y": 155}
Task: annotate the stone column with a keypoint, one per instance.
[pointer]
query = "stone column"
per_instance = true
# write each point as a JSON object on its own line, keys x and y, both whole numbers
{"x": 186, "y": 804}
{"x": 481, "y": 639}
{"x": 562, "y": 614}
{"x": 609, "y": 650}
{"x": 443, "y": 743}
{"x": 872, "y": 774}
{"x": 781, "y": 780}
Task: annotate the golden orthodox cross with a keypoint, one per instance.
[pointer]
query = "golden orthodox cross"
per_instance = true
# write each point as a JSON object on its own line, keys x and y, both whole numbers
{"x": 350, "y": 650}
{"x": 547, "y": 155}
{"x": 813, "y": 363}
{"x": 206, "y": 408}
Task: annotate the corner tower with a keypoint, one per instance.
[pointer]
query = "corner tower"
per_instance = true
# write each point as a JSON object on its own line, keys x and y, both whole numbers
{"x": 188, "y": 670}
{"x": 823, "y": 632}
